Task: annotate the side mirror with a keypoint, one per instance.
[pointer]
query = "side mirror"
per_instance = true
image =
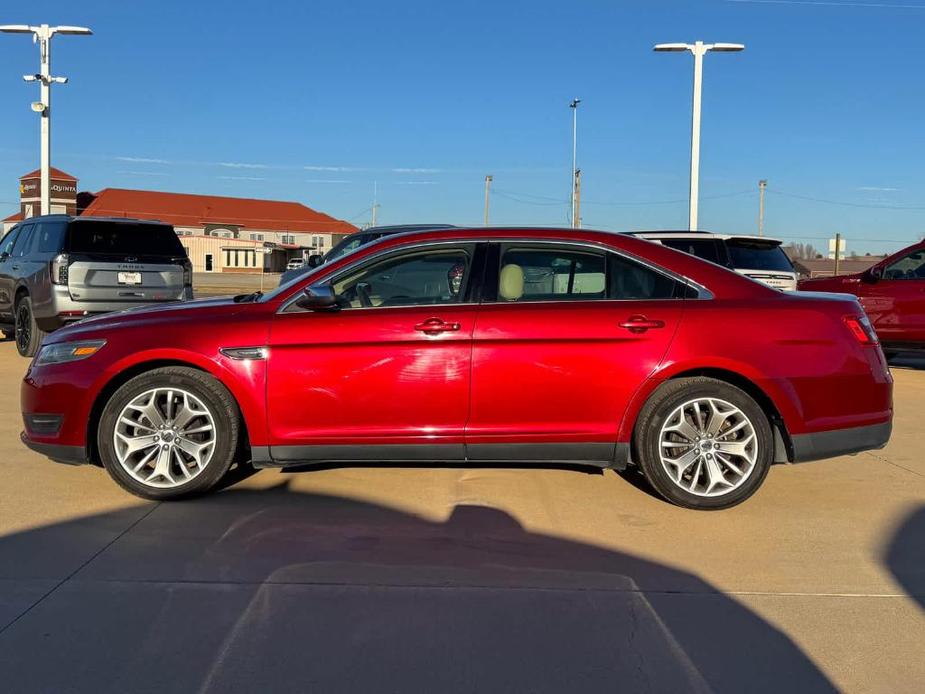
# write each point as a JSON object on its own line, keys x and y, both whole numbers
{"x": 315, "y": 260}
{"x": 874, "y": 274}
{"x": 317, "y": 297}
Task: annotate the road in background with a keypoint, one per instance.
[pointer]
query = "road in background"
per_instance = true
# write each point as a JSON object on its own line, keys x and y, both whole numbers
{"x": 464, "y": 579}
{"x": 223, "y": 283}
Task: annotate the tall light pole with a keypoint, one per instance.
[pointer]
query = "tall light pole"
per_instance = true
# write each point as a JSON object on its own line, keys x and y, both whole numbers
{"x": 762, "y": 186}
{"x": 574, "y": 177}
{"x": 42, "y": 35}
{"x": 488, "y": 180}
{"x": 698, "y": 49}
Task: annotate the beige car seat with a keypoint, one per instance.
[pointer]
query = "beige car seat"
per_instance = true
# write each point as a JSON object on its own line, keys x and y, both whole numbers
{"x": 511, "y": 285}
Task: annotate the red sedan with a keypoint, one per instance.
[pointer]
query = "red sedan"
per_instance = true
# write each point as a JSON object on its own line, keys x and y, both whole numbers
{"x": 893, "y": 294}
{"x": 479, "y": 346}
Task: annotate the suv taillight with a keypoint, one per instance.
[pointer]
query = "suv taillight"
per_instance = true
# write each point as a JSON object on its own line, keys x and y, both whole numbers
{"x": 861, "y": 328}
{"x": 59, "y": 268}
{"x": 188, "y": 274}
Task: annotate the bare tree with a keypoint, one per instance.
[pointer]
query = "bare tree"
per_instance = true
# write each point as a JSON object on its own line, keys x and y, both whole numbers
{"x": 801, "y": 251}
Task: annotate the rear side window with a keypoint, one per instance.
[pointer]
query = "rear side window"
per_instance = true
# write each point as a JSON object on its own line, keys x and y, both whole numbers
{"x": 755, "y": 255}
{"x": 570, "y": 274}
{"x": 49, "y": 237}
{"x": 706, "y": 249}
{"x": 121, "y": 238}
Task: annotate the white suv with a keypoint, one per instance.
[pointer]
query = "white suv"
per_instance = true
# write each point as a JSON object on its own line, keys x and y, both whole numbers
{"x": 757, "y": 257}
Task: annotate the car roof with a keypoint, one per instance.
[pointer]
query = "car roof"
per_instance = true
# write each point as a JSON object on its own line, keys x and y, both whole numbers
{"x": 402, "y": 228}
{"x": 700, "y": 235}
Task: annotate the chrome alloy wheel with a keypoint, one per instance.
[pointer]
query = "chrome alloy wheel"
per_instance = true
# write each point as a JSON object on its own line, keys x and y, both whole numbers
{"x": 708, "y": 447}
{"x": 164, "y": 437}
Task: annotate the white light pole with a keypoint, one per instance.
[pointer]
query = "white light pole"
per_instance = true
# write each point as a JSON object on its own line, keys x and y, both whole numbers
{"x": 698, "y": 49}
{"x": 574, "y": 106}
{"x": 42, "y": 35}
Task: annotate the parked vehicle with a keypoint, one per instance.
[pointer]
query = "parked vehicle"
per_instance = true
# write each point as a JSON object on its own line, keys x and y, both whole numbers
{"x": 351, "y": 242}
{"x": 892, "y": 293}
{"x": 56, "y": 269}
{"x": 295, "y": 264}
{"x": 757, "y": 257}
{"x": 472, "y": 346}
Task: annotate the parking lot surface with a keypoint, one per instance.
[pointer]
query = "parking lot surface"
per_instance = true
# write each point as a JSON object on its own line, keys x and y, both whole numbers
{"x": 464, "y": 579}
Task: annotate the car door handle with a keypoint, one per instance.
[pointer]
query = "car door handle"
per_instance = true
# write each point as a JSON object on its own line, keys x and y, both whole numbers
{"x": 434, "y": 326}
{"x": 639, "y": 324}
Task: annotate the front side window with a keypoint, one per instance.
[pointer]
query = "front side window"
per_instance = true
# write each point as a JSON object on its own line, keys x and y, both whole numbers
{"x": 577, "y": 274}
{"x": 909, "y": 267}
{"x": 436, "y": 276}
{"x": 7, "y": 244}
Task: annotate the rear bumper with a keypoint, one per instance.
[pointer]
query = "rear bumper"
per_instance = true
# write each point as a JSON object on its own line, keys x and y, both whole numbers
{"x": 59, "y": 453}
{"x": 829, "y": 444}
{"x": 48, "y": 316}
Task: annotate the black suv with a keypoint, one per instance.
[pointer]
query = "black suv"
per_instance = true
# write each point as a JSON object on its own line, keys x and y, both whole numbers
{"x": 55, "y": 269}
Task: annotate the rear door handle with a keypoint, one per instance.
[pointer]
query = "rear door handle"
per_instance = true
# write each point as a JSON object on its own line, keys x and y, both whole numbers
{"x": 639, "y": 324}
{"x": 435, "y": 326}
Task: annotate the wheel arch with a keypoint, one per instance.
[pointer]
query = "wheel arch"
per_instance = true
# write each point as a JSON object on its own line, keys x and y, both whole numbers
{"x": 123, "y": 376}
{"x": 783, "y": 442}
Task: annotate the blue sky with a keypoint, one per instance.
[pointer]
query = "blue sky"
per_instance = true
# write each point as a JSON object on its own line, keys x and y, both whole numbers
{"x": 317, "y": 102}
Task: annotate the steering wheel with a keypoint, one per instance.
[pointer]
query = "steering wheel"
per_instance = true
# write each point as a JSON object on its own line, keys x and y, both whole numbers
{"x": 362, "y": 292}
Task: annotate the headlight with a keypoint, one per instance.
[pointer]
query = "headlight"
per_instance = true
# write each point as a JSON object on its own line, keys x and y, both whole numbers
{"x": 68, "y": 351}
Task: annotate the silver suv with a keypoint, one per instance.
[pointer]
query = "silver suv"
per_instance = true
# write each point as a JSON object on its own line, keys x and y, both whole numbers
{"x": 57, "y": 269}
{"x": 758, "y": 257}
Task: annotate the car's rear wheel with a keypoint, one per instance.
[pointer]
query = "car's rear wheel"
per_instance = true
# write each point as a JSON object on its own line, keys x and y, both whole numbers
{"x": 28, "y": 335}
{"x": 703, "y": 443}
{"x": 169, "y": 433}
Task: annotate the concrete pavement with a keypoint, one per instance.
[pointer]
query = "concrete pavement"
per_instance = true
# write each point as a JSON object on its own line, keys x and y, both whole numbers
{"x": 460, "y": 579}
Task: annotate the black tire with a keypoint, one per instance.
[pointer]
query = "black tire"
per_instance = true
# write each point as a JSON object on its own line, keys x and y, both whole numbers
{"x": 27, "y": 333}
{"x": 216, "y": 398}
{"x": 659, "y": 408}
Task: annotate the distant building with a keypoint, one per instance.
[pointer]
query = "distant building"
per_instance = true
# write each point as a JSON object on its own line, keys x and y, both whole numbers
{"x": 825, "y": 267}
{"x": 220, "y": 234}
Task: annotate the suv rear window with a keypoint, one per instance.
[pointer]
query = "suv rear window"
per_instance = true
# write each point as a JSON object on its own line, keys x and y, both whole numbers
{"x": 755, "y": 255}
{"x": 123, "y": 238}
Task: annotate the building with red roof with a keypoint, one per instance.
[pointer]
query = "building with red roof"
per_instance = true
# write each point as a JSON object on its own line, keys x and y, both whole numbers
{"x": 220, "y": 233}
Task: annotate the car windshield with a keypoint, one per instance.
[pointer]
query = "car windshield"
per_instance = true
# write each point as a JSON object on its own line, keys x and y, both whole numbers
{"x": 758, "y": 255}
{"x": 348, "y": 245}
{"x": 123, "y": 238}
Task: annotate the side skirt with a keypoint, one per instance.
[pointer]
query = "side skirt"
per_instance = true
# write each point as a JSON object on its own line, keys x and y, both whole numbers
{"x": 602, "y": 455}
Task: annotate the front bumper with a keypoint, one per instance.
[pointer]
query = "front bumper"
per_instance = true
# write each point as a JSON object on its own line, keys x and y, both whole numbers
{"x": 830, "y": 444}
{"x": 59, "y": 453}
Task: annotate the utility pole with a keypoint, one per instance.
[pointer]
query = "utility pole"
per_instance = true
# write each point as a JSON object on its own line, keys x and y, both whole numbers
{"x": 488, "y": 180}
{"x": 574, "y": 106}
{"x": 42, "y": 35}
{"x": 375, "y": 202}
{"x": 698, "y": 49}
{"x": 837, "y": 252}
{"x": 576, "y": 214}
{"x": 762, "y": 185}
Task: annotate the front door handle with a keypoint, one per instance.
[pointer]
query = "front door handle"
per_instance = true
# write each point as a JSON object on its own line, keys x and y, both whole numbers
{"x": 435, "y": 326}
{"x": 639, "y": 324}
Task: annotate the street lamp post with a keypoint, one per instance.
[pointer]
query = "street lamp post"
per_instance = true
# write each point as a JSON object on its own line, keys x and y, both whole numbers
{"x": 698, "y": 49}
{"x": 574, "y": 106}
{"x": 42, "y": 35}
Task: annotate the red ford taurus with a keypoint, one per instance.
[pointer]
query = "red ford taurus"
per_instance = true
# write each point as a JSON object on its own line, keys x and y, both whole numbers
{"x": 472, "y": 346}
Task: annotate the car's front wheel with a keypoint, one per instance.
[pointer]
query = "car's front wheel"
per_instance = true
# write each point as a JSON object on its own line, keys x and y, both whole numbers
{"x": 703, "y": 443}
{"x": 168, "y": 433}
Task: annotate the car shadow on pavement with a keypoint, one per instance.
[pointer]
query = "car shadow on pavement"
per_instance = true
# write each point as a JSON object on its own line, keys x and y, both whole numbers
{"x": 905, "y": 556}
{"x": 907, "y": 360}
{"x": 277, "y": 590}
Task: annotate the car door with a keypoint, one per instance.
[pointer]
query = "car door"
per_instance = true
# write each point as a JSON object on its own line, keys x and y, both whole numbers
{"x": 386, "y": 372}
{"x": 7, "y": 274}
{"x": 896, "y": 301}
{"x": 559, "y": 347}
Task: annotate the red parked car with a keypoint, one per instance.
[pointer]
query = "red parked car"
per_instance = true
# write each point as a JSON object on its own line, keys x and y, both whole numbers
{"x": 892, "y": 293}
{"x": 472, "y": 346}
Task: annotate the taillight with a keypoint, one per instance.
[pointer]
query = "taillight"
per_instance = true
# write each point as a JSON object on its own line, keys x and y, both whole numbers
{"x": 188, "y": 274}
{"x": 59, "y": 268}
{"x": 861, "y": 328}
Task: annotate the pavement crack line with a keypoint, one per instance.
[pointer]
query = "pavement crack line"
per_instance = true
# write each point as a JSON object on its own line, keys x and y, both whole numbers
{"x": 73, "y": 573}
{"x": 890, "y": 462}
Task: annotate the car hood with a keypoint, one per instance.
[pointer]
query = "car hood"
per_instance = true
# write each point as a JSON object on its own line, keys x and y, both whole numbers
{"x": 185, "y": 310}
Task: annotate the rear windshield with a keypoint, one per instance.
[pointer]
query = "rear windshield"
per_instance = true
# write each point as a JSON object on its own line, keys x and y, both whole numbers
{"x": 123, "y": 238}
{"x": 755, "y": 255}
